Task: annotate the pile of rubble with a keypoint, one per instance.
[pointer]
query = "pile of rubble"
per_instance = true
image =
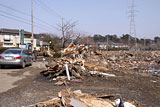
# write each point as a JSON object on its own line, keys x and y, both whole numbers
{"x": 78, "y": 61}
{"x": 126, "y": 60}
{"x": 73, "y": 64}
{"x": 68, "y": 98}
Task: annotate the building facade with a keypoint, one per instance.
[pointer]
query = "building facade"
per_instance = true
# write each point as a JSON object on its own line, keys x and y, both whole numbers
{"x": 12, "y": 38}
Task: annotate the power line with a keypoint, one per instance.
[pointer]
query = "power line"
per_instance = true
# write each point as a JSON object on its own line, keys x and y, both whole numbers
{"x": 48, "y": 9}
{"x": 20, "y": 18}
{"x": 27, "y": 15}
{"x": 15, "y": 19}
{"x": 21, "y": 21}
{"x": 13, "y": 15}
{"x": 14, "y": 9}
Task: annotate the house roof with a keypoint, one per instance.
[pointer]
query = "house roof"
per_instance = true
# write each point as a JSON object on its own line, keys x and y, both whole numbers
{"x": 12, "y": 31}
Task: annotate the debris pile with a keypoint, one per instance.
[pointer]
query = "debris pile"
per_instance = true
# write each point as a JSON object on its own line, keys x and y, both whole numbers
{"x": 125, "y": 60}
{"x": 78, "y": 61}
{"x": 72, "y": 64}
{"x": 68, "y": 98}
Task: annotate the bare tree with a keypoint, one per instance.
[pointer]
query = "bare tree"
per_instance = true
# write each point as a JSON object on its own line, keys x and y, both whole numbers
{"x": 86, "y": 40}
{"x": 67, "y": 31}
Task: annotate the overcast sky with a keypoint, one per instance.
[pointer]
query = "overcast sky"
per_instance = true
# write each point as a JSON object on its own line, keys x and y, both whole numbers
{"x": 93, "y": 16}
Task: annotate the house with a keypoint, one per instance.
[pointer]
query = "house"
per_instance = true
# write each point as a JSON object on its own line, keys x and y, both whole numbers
{"x": 11, "y": 38}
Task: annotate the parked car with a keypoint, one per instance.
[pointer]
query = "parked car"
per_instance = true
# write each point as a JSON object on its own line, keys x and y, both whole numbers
{"x": 15, "y": 57}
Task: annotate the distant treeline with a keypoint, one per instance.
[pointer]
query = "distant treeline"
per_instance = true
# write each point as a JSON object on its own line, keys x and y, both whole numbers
{"x": 97, "y": 38}
{"x": 125, "y": 38}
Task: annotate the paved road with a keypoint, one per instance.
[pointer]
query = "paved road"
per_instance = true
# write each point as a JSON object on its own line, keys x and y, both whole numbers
{"x": 7, "y": 81}
{"x": 10, "y": 75}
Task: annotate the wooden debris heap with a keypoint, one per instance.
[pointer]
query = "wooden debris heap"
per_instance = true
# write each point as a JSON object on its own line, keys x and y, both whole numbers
{"x": 68, "y": 98}
{"x": 71, "y": 64}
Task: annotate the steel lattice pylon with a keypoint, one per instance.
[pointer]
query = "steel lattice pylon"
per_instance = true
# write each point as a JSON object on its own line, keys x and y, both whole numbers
{"x": 132, "y": 30}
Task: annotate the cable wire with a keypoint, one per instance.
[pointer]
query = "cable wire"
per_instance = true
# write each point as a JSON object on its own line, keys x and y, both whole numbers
{"x": 27, "y": 15}
{"x": 48, "y": 9}
{"x": 22, "y": 18}
{"x": 21, "y": 21}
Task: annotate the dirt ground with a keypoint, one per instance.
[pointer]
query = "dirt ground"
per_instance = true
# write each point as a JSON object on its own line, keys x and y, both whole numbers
{"x": 33, "y": 87}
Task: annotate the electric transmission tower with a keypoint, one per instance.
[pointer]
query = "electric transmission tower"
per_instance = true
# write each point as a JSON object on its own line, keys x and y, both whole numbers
{"x": 132, "y": 30}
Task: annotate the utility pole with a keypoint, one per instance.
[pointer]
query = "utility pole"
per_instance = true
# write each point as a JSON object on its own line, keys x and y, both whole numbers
{"x": 107, "y": 43}
{"x": 144, "y": 44}
{"x": 132, "y": 30}
{"x": 32, "y": 38}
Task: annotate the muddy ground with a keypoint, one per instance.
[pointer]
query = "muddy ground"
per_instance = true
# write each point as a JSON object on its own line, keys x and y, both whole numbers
{"x": 33, "y": 87}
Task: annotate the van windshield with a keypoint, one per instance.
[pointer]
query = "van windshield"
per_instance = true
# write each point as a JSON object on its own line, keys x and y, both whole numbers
{"x": 12, "y": 52}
